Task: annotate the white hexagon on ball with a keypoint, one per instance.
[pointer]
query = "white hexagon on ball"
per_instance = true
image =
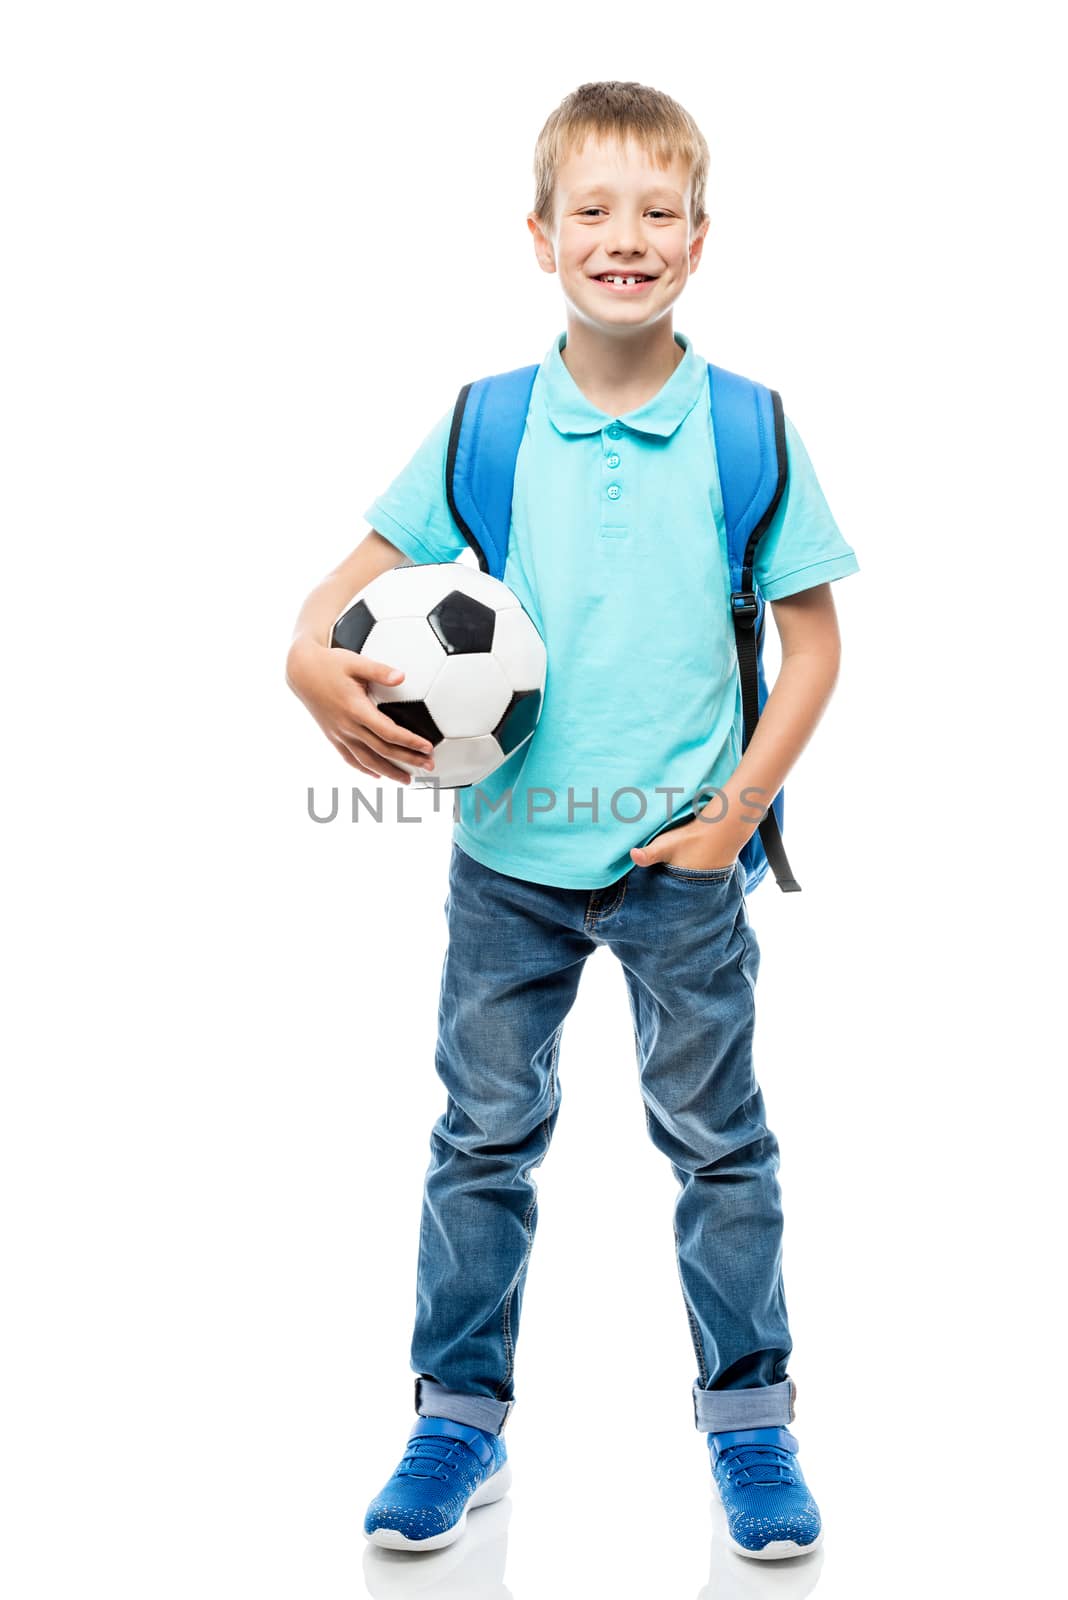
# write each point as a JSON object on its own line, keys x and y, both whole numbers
{"x": 415, "y": 640}
{"x": 459, "y": 763}
{"x": 519, "y": 649}
{"x": 468, "y": 697}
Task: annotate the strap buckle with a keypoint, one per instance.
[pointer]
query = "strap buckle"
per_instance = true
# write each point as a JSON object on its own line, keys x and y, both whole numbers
{"x": 744, "y": 605}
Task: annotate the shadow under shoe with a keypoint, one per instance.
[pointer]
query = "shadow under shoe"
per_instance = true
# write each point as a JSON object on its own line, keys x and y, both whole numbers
{"x": 447, "y": 1470}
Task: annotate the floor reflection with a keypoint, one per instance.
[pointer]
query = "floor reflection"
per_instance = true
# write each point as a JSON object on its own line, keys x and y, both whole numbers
{"x": 473, "y": 1568}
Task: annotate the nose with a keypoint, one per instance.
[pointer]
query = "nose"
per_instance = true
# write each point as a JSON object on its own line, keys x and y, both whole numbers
{"x": 626, "y": 252}
{"x": 628, "y": 241}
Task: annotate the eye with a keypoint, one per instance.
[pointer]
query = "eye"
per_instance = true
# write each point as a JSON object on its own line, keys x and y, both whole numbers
{"x": 654, "y": 212}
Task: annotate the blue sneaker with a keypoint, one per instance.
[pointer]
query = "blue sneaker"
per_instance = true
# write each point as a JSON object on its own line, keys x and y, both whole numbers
{"x": 447, "y": 1469}
{"x": 770, "y": 1512}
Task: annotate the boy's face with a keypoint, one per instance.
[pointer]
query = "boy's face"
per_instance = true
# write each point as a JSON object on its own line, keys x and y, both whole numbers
{"x": 616, "y": 213}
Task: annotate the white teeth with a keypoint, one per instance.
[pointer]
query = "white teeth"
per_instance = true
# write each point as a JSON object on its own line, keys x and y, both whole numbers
{"x": 641, "y": 279}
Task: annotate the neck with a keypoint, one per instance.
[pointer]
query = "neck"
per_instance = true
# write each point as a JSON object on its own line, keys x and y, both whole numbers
{"x": 619, "y": 371}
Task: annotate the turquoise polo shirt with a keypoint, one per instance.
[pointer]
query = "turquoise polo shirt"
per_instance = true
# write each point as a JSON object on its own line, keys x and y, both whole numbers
{"x": 617, "y": 551}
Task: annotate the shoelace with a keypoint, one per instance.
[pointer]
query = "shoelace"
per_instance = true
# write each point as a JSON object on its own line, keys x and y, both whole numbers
{"x": 422, "y": 1453}
{"x": 758, "y": 1463}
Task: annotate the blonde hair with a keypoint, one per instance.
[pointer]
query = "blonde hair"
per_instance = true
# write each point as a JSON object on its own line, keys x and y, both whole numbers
{"x": 657, "y": 123}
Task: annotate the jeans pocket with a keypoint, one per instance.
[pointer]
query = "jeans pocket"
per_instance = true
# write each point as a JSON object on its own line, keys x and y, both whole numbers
{"x": 701, "y": 874}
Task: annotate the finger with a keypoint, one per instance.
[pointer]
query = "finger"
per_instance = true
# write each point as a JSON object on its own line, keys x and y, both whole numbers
{"x": 388, "y": 769}
{"x": 364, "y": 761}
{"x": 368, "y": 720}
{"x": 356, "y": 754}
{"x": 372, "y": 671}
{"x": 389, "y": 746}
{"x": 394, "y": 733}
{"x": 347, "y": 755}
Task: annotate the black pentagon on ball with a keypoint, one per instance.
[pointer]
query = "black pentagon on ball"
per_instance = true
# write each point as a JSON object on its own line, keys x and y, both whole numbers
{"x": 413, "y": 715}
{"x": 463, "y": 626}
{"x": 351, "y": 630}
{"x": 519, "y": 719}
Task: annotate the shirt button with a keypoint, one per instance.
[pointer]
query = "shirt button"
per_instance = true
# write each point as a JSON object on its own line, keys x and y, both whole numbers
{"x": 613, "y": 459}
{"x": 614, "y": 491}
{"x": 615, "y": 431}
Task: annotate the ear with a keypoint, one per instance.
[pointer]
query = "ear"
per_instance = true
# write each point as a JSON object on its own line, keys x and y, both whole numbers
{"x": 697, "y": 244}
{"x": 542, "y": 247}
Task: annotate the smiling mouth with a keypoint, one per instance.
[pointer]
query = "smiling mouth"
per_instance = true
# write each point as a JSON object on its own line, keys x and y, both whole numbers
{"x": 623, "y": 282}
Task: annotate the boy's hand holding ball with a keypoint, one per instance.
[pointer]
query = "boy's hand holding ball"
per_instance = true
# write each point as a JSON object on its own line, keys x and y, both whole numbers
{"x": 330, "y": 681}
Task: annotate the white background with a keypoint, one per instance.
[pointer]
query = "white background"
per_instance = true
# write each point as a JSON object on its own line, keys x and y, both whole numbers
{"x": 252, "y": 252}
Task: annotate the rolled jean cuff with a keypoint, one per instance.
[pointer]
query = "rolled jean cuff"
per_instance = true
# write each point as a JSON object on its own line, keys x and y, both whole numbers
{"x": 477, "y": 1410}
{"x": 769, "y": 1406}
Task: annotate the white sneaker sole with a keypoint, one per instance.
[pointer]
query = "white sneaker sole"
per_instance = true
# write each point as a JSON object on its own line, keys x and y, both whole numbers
{"x": 777, "y": 1549}
{"x": 495, "y": 1487}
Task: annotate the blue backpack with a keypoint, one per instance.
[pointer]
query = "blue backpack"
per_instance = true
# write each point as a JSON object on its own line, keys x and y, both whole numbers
{"x": 748, "y": 427}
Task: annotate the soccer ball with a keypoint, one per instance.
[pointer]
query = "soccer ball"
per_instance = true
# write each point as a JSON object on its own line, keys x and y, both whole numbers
{"x": 473, "y": 664}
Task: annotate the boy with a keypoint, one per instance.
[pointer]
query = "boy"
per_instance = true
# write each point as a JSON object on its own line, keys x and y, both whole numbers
{"x": 616, "y": 535}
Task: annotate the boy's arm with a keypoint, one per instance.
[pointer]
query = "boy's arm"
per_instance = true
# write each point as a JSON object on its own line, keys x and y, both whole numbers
{"x": 371, "y": 557}
{"x": 811, "y": 655}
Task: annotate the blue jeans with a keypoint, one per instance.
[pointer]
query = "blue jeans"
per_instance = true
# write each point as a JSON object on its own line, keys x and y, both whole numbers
{"x": 515, "y": 955}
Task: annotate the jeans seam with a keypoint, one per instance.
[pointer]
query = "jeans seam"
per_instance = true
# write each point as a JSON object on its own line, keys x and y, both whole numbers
{"x": 701, "y": 874}
{"x": 695, "y": 1328}
{"x": 746, "y": 932}
{"x": 506, "y": 1317}
{"x": 695, "y": 1331}
{"x": 590, "y": 923}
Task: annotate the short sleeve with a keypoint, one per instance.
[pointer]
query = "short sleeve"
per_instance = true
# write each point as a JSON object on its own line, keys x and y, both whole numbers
{"x": 413, "y": 513}
{"x": 802, "y": 545}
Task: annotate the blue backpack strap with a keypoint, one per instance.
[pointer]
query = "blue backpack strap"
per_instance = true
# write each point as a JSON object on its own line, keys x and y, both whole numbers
{"x": 750, "y": 435}
{"x": 487, "y": 430}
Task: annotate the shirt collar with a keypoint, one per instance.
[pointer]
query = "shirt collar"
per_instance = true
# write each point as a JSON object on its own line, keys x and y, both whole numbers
{"x": 570, "y": 411}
